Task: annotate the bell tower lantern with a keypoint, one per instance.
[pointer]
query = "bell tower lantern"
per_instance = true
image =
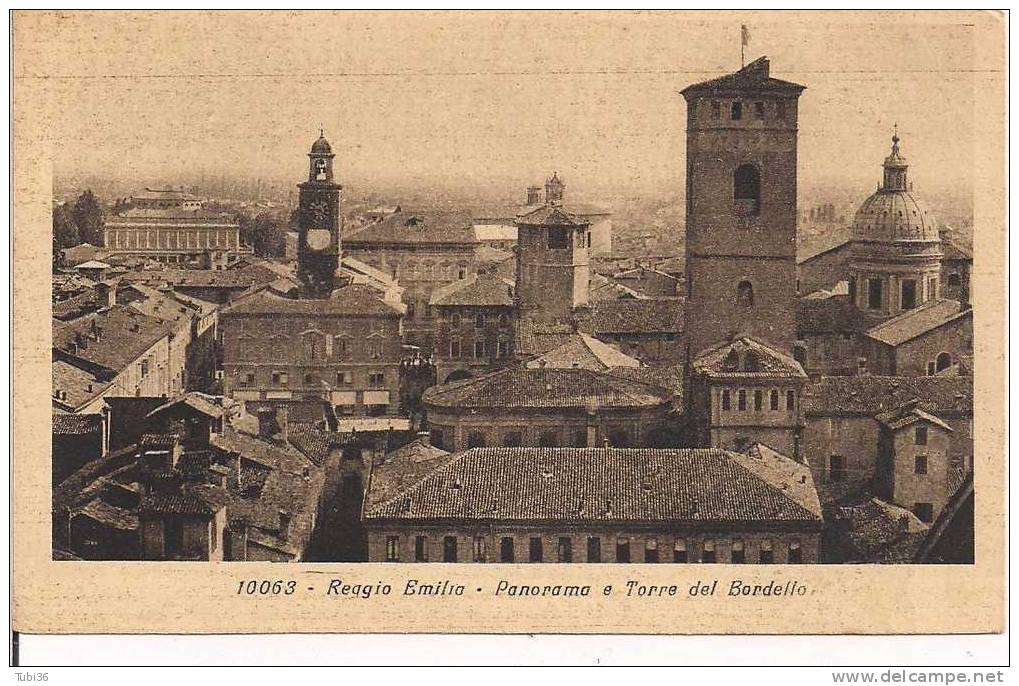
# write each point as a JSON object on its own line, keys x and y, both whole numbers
{"x": 318, "y": 248}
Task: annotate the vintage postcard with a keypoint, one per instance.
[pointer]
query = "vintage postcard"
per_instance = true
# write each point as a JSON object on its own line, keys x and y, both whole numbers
{"x": 579, "y": 322}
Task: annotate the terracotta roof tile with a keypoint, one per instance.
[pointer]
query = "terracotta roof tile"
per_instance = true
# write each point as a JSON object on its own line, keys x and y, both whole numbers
{"x": 76, "y": 424}
{"x": 913, "y": 323}
{"x": 869, "y": 395}
{"x": 601, "y": 484}
{"x": 408, "y": 227}
{"x": 482, "y": 290}
{"x": 544, "y": 388}
{"x": 651, "y": 315}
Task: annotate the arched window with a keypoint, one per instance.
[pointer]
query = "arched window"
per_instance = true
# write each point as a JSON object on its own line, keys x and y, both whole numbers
{"x": 942, "y": 362}
{"x": 747, "y": 188}
{"x": 745, "y": 294}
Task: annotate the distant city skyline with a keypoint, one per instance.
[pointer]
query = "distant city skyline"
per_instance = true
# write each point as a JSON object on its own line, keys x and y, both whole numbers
{"x": 594, "y": 97}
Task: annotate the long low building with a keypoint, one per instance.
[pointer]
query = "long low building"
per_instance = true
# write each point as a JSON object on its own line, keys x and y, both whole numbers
{"x": 599, "y": 505}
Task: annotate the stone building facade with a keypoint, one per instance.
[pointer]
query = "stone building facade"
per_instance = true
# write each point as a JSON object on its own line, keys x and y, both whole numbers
{"x": 744, "y": 392}
{"x": 336, "y": 344}
{"x": 741, "y": 208}
{"x": 934, "y": 339}
{"x": 475, "y": 323}
{"x": 423, "y": 251}
{"x": 170, "y": 226}
{"x": 654, "y": 506}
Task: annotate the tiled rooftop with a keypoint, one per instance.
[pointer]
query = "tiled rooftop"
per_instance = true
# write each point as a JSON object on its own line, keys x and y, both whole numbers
{"x": 355, "y": 300}
{"x": 746, "y": 358}
{"x": 408, "y": 227}
{"x": 869, "y": 395}
{"x": 913, "y": 323}
{"x": 601, "y": 484}
{"x": 545, "y": 388}
{"x": 621, "y": 316}
{"x": 482, "y": 290}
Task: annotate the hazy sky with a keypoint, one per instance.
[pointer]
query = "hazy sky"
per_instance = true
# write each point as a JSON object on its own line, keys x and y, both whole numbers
{"x": 484, "y": 97}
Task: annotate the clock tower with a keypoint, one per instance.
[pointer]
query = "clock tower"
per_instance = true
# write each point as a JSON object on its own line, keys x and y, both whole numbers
{"x": 318, "y": 247}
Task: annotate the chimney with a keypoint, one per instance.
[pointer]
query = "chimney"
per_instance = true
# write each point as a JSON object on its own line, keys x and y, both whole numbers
{"x": 106, "y": 295}
{"x": 534, "y": 195}
{"x": 424, "y": 437}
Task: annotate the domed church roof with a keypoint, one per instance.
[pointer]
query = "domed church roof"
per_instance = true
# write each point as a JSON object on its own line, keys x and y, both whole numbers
{"x": 894, "y": 213}
{"x": 321, "y": 146}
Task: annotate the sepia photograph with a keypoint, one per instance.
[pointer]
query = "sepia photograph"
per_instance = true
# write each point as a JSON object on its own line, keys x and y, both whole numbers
{"x": 512, "y": 288}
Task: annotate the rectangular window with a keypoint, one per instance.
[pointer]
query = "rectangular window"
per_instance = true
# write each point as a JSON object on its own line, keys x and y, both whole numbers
{"x": 535, "y": 552}
{"x": 931, "y": 369}
{"x": 790, "y": 400}
{"x": 924, "y": 512}
{"x": 759, "y": 110}
{"x": 836, "y": 468}
{"x": 454, "y": 349}
{"x": 622, "y": 549}
{"x": 920, "y": 435}
{"x": 279, "y": 379}
{"x": 795, "y": 553}
{"x": 593, "y": 549}
{"x": 716, "y": 109}
{"x": 506, "y": 549}
{"x": 558, "y": 238}
{"x": 392, "y": 548}
{"x": 449, "y": 549}
{"x": 651, "y": 550}
{"x": 932, "y": 289}
{"x": 679, "y": 550}
{"x": 479, "y": 349}
{"x": 742, "y": 400}
{"x": 503, "y": 349}
{"x": 726, "y": 401}
{"x": 248, "y": 379}
{"x": 435, "y": 437}
{"x": 345, "y": 378}
{"x": 736, "y": 111}
{"x": 767, "y": 556}
{"x": 145, "y": 368}
{"x": 564, "y": 551}
{"x": 908, "y": 301}
{"x": 739, "y": 554}
{"x": 920, "y": 464}
{"x": 421, "y": 549}
{"x": 874, "y": 295}
{"x": 479, "y": 549}
{"x": 758, "y": 400}
{"x": 377, "y": 379}
{"x": 479, "y": 321}
{"x": 773, "y": 398}
{"x": 708, "y": 554}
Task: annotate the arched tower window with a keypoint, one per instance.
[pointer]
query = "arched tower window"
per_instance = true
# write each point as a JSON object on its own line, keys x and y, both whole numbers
{"x": 942, "y": 362}
{"x": 745, "y": 294}
{"x": 747, "y": 189}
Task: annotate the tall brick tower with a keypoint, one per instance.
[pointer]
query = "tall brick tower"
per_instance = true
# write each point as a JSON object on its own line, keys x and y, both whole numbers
{"x": 318, "y": 246}
{"x": 552, "y": 263}
{"x": 741, "y": 209}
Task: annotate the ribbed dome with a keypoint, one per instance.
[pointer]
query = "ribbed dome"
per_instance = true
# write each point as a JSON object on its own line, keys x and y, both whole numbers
{"x": 894, "y": 213}
{"x": 894, "y": 216}
{"x": 321, "y": 147}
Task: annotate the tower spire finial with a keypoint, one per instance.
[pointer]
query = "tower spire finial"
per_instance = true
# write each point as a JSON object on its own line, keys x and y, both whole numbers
{"x": 321, "y": 131}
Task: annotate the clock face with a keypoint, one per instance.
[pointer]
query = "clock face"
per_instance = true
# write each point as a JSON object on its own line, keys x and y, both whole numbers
{"x": 320, "y": 210}
{"x": 318, "y": 239}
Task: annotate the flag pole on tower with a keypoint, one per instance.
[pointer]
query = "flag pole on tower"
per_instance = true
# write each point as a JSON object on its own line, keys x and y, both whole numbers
{"x": 743, "y": 43}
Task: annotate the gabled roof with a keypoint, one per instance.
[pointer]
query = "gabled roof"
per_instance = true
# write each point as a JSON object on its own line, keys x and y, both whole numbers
{"x": 753, "y": 78}
{"x": 746, "y": 358}
{"x": 907, "y": 414}
{"x": 112, "y": 338}
{"x": 403, "y": 468}
{"x": 355, "y": 300}
{"x": 544, "y": 388}
{"x": 603, "y": 484}
{"x": 406, "y": 226}
{"x": 584, "y": 352}
{"x": 208, "y": 405}
{"x": 76, "y": 424}
{"x": 635, "y": 316}
{"x": 550, "y": 215}
{"x": 507, "y": 213}
{"x": 909, "y": 325}
{"x": 869, "y": 395}
{"x": 482, "y": 290}
{"x": 92, "y": 264}
{"x": 838, "y": 247}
